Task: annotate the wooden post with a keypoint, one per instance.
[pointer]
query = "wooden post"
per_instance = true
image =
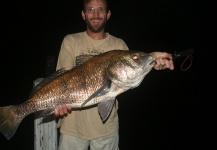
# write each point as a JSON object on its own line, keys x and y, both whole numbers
{"x": 45, "y": 129}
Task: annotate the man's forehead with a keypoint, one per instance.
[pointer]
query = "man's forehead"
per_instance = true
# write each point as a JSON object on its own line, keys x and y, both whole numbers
{"x": 100, "y": 3}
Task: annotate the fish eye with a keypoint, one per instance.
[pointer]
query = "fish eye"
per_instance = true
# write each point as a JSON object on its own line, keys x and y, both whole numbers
{"x": 135, "y": 57}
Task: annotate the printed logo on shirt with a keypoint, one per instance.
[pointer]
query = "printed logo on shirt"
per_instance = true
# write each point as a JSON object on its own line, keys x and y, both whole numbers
{"x": 86, "y": 54}
{"x": 90, "y": 51}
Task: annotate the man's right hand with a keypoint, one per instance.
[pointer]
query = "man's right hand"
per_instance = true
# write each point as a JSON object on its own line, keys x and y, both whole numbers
{"x": 62, "y": 110}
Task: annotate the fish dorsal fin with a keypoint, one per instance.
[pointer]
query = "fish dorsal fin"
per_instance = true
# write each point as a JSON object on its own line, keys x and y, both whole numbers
{"x": 46, "y": 80}
{"x": 105, "y": 108}
{"x": 101, "y": 91}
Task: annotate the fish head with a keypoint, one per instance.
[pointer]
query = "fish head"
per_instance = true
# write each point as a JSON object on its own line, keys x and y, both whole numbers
{"x": 129, "y": 69}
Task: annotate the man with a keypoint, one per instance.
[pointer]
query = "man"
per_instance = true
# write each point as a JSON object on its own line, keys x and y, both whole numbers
{"x": 84, "y": 128}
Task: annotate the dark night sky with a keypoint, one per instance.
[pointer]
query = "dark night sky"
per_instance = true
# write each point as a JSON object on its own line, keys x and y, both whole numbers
{"x": 170, "y": 110}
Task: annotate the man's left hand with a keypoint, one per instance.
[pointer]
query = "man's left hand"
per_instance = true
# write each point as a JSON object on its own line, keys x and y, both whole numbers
{"x": 163, "y": 60}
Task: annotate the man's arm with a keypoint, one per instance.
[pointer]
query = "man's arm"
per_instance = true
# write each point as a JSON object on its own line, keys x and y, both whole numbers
{"x": 66, "y": 60}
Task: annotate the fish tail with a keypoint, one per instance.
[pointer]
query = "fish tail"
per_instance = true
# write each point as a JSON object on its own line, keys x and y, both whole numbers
{"x": 9, "y": 120}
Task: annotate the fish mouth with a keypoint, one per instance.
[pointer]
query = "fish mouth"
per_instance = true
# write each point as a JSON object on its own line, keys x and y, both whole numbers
{"x": 149, "y": 64}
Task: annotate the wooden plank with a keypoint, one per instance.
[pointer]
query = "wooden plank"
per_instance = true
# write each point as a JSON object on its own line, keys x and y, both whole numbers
{"x": 45, "y": 133}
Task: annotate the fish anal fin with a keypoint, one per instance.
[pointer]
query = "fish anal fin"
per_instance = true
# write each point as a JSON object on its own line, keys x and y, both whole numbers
{"x": 45, "y": 113}
{"x": 105, "y": 108}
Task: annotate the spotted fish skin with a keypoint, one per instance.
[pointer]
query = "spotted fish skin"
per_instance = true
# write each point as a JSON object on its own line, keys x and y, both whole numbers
{"x": 99, "y": 81}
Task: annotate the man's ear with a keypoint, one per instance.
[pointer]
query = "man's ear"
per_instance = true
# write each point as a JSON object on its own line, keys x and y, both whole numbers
{"x": 82, "y": 14}
{"x": 108, "y": 14}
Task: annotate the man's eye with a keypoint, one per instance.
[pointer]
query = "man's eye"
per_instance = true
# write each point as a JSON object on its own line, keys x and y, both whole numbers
{"x": 100, "y": 10}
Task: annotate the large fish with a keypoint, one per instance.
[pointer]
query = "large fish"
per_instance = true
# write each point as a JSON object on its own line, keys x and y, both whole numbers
{"x": 97, "y": 81}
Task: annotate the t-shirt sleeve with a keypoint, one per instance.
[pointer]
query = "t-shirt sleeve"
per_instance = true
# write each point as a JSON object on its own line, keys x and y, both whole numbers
{"x": 118, "y": 43}
{"x": 66, "y": 58}
{"x": 125, "y": 47}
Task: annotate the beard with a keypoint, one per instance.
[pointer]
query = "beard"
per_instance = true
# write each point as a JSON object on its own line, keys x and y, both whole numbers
{"x": 96, "y": 28}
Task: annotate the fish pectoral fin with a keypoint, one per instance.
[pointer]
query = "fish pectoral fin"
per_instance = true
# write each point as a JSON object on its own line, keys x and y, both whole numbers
{"x": 45, "y": 113}
{"x": 101, "y": 91}
{"x": 105, "y": 108}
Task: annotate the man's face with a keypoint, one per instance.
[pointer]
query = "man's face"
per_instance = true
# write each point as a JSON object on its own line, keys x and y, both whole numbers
{"x": 95, "y": 15}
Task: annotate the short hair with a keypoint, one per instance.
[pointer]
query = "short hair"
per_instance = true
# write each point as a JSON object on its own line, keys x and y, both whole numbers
{"x": 87, "y": 1}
